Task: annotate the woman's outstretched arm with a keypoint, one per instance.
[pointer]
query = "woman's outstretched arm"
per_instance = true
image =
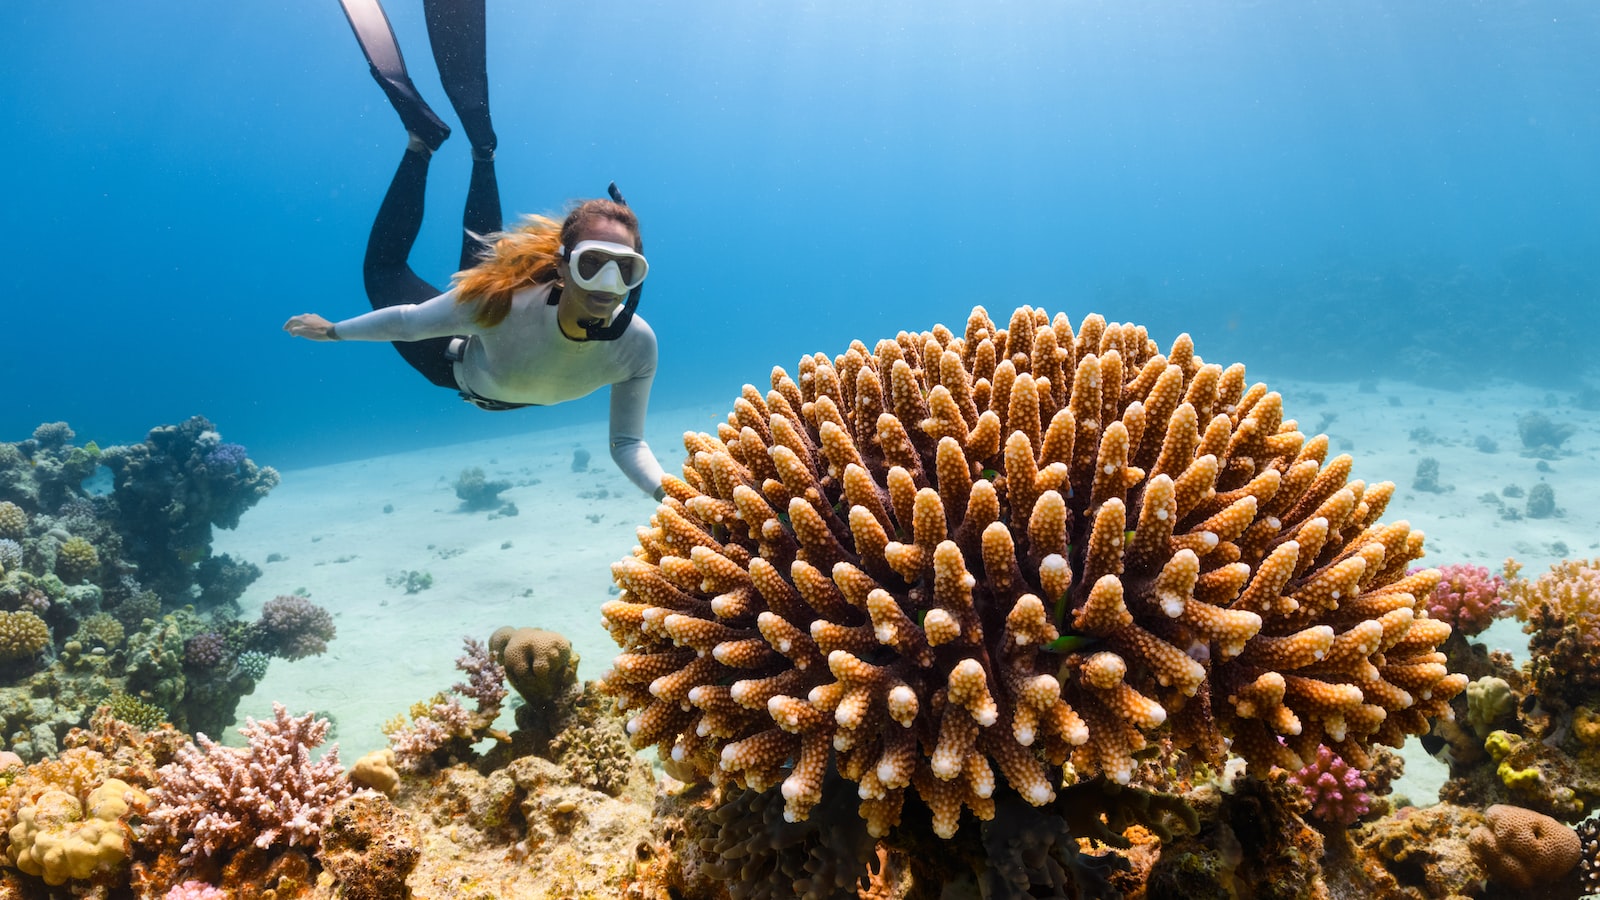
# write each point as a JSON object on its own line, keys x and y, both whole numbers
{"x": 440, "y": 317}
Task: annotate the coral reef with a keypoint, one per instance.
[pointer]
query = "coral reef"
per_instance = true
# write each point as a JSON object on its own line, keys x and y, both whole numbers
{"x": 1418, "y": 853}
{"x": 948, "y": 567}
{"x": 104, "y": 594}
{"x": 169, "y": 492}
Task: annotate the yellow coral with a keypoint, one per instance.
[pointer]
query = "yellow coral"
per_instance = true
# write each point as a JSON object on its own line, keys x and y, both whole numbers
{"x": 376, "y": 771}
{"x": 77, "y": 560}
{"x": 13, "y": 521}
{"x": 540, "y": 664}
{"x": 916, "y": 563}
{"x": 59, "y": 838}
{"x": 1571, "y": 590}
{"x": 23, "y": 635}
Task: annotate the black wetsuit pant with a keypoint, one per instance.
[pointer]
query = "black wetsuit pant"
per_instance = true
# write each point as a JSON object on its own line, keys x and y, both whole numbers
{"x": 456, "y": 32}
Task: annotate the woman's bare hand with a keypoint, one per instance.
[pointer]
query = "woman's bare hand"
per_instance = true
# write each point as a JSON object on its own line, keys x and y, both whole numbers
{"x": 311, "y": 326}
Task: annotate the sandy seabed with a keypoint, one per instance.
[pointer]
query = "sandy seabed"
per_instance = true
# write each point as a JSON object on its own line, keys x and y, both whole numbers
{"x": 349, "y": 535}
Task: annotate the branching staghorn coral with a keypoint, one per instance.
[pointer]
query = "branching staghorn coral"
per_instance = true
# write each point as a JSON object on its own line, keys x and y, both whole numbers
{"x": 951, "y": 560}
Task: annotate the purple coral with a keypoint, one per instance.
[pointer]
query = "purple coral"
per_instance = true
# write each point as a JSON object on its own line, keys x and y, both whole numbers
{"x": 298, "y": 627}
{"x": 1468, "y": 598}
{"x": 225, "y": 457}
{"x": 268, "y": 792}
{"x": 1336, "y": 790}
{"x": 486, "y": 679}
{"x": 205, "y": 651}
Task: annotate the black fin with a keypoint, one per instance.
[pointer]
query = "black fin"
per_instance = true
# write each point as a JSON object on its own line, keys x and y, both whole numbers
{"x": 377, "y": 41}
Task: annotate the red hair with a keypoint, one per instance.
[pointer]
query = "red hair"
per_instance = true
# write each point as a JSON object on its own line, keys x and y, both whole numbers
{"x": 527, "y": 254}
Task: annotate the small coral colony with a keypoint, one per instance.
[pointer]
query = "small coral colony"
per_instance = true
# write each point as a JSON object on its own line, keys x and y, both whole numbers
{"x": 1024, "y": 611}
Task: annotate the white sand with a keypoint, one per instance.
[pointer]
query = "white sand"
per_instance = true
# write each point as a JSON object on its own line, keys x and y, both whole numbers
{"x": 549, "y": 566}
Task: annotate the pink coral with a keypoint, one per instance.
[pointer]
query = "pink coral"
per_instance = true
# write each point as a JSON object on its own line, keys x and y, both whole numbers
{"x": 266, "y": 793}
{"x": 195, "y": 890}
{"x": 1468, "y": 598}
{"x": 298, "y": 627}
{"x": 446, "y": 720}
{"x": 1337, "y": 792}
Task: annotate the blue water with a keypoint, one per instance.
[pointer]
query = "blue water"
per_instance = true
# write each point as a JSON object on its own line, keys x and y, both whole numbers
{"x": 1341, "y": 188}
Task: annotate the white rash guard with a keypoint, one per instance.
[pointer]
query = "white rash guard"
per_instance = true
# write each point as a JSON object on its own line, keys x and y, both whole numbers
{"x": 527, "y": 359}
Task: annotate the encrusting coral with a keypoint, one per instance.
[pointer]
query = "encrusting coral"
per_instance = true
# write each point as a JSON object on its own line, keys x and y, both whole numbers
{"x": 949, "y": 562}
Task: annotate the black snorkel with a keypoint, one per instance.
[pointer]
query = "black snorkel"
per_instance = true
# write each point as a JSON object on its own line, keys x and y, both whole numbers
{"x": 619, "y": 322}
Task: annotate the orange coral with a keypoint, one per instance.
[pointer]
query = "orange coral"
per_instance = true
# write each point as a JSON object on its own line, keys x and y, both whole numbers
{"x": 986, "y": 556}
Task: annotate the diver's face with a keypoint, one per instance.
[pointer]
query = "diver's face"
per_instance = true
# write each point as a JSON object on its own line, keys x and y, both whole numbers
{"x": 597, "y": 305}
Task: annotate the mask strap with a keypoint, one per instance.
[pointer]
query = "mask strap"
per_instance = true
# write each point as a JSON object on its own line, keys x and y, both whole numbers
{"x": 619, "y": 322}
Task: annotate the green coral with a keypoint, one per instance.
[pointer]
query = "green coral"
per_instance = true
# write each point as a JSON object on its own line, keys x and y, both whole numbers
{"x": 1528, "y": 779}
{"x": 1489, "y": 699}
{"x": 141, "y": 715}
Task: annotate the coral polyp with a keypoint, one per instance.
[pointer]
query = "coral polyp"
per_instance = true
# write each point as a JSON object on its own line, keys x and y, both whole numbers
{"x": 1020, "y": 555}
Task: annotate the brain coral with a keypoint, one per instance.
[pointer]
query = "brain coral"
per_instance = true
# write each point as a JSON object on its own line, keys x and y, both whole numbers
{"x": 951, "y": 559}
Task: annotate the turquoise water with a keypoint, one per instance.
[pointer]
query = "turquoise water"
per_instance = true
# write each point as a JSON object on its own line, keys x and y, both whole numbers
{"x": 1341, "y": 188}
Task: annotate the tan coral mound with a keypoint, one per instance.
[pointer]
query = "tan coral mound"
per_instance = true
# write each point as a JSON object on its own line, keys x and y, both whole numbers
{"x": 951, "y": 556}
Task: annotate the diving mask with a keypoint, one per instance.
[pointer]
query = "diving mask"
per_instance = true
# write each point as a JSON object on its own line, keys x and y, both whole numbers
{"x": 604, "y": 267}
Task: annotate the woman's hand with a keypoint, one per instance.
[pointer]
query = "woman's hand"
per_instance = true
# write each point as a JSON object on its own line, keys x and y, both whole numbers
{"x": 312, "y": 326}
